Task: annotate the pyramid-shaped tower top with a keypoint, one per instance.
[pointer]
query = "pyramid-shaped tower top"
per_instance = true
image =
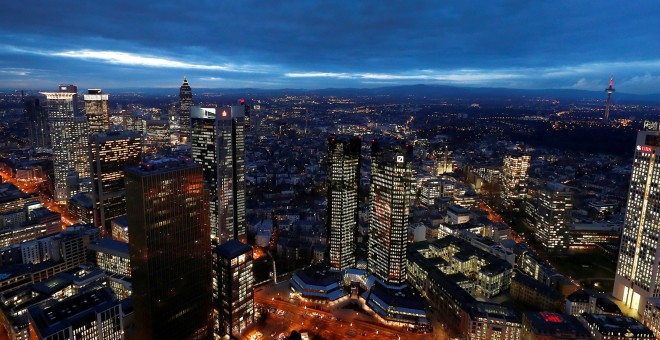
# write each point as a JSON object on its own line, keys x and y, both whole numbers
{"x": 185, "y": 81}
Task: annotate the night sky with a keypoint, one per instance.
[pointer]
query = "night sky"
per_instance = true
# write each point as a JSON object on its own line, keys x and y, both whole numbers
{"x": 319, "y": 44}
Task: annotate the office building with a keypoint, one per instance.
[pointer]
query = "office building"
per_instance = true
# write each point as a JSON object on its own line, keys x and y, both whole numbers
{"x": 342, "y": 213}
{"x": 96, "y": 111}
{"x": 615, "y": 327}
{"x": 636, "y": 277}
{"x": 551, "y": 326}
{"x": 218, "y": 146}
{"x": 110, "y": 154}
{"x": 514, "y": 176}
{"x": 95, "y": 314}
{"x": 170, "y": 249}
{"x": 391, "y": 178}
{"x": 69, "y": 138}
{"x": 185, "y": 103}
{"x": 38, "y": 122}
{"x": 233, "y": 288}
{"x": 111, "y": 256}
{"x": 553, "y": 217}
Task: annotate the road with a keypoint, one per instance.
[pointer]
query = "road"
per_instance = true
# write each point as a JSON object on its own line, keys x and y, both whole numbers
{"x": 31, "y": 187}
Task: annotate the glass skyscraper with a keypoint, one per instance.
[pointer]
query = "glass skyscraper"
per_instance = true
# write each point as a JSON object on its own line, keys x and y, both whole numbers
{"x": 185, "y": 103}
{"x": 342, "y": 215}
{"x": 170, "y": 249}
{"x": 96, "y": 111}
{"x": 110, "y": 154}
{"x": 218, "y": 146}
{"x": 391, "y": 179}
{"x": 637, "y": 275}
{"x": 69, "y": 139}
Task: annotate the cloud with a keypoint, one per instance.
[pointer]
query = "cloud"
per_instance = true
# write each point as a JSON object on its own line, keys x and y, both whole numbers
{"x": 211, "y": 78}
{"x": 133, "y": 59}
{"x": 16, "y": 72}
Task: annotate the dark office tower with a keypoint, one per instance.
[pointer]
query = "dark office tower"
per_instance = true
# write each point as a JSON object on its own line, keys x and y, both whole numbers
{"x": 96, "y": 111}
{"x": 37, "y": 117}
{"x": 391, "y": 178}
{"x": 110, "y": 154}
{"x": 609, "y": 91}
{"x": 69, "y": 139}
{"x": 342, "y": 216}
{"x": 218, "y": 145}
{"x": 637, "y": 277}
{"x": 233, "y": 288}
{"x": 185, "y": 102}
{"x": 170, "y": 249}
{"x": 248, "y": 113}
{"x": 555, "y": 204}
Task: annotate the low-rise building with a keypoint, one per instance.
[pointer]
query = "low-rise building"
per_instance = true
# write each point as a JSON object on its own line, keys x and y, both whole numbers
{"x": 552, "y": 326}
{"x": 524, "y": 288}
{"x": 612, "y": 327}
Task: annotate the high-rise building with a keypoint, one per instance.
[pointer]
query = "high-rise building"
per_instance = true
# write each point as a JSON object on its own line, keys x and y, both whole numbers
{"x": 69, "y": 139}
{"x": 110, "y": 154}
{"x": 39, "y": 130}
{"x": 514, "y": 176}
{"x": 218, "y": 145}
{"x": 555, "y": 204}
{"x": 391, "y": 179}
{"x": 233, "y": 288}
{"x": 170, "y": 249}
{"x": 342, "y": 215}
{"x": 637, "y": 276}
{"x": 96, "y": 111}
{"x": 185, "y": 103}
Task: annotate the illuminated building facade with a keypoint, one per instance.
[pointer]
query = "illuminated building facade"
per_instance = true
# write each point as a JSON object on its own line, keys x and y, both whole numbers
{"x": 218, "y": 145}
{"x": 391, "y": 178}
{"x": 112, "y": 256}
{"x": 95, "y": 314}
{"x": 555, "y": 204}
{"x": 170, "y": 249}
{"x": 69, "y": 138}
{"x": 233, "y": 288}
{"x": 96, "y": 111}
{"x": 185, "y": 103}
{"x": 343, "y": 183}
{"x": 637, "y": 274}
{"x": 110, "y": 154}
{"x": 514, "y": 176}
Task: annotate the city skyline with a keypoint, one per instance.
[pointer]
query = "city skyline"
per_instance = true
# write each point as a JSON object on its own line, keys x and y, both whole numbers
{"x": 307, "y": 45}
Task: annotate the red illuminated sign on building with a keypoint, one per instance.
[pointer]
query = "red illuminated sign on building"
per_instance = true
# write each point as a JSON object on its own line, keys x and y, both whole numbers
{"x": 647, "y": 149}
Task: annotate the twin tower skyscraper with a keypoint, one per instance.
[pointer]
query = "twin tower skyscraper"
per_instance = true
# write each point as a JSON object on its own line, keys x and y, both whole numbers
{"x": 391, "y": 180}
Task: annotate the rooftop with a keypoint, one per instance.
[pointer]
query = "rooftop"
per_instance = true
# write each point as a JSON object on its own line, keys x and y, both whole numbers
{"x": 49, "y": 319}
{"x": 232, "y": 249}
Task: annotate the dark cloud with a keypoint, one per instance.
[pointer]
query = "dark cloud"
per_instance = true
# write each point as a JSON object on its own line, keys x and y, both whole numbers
{"x": 517, "y": 43}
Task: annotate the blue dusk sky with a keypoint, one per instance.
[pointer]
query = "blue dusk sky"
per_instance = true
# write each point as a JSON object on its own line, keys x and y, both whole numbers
{"x": 319, "y": 44}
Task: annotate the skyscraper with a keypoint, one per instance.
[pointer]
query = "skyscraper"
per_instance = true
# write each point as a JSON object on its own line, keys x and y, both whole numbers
{"x": 391, "y": 177}
{"x": 96, "y": 111}
{"x": 609, "y": 91}
{"x": 555, "y": 204}
{"x": 637, "y": 276}
{"x": 233, "y": 288}
{"x": 185, "y": 102}
{"x": 69, "y": 133}
{"x": 342, "y": 215}
{"x": 170, "y": 249}
{"x": 218, "y": 145}
{"x": 110, "y": 154}
{"x": 514, "y": 176}
{"x": 38, "y": 121}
